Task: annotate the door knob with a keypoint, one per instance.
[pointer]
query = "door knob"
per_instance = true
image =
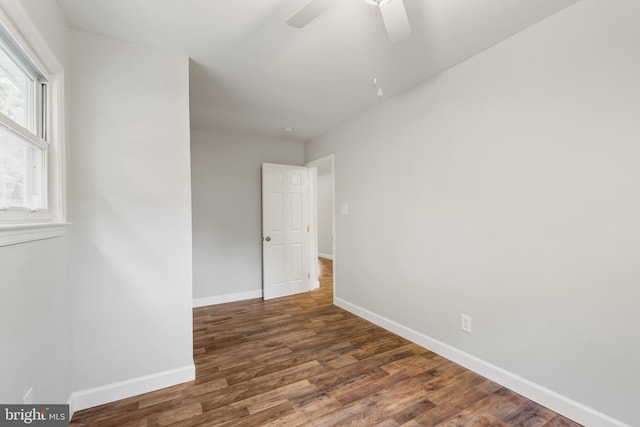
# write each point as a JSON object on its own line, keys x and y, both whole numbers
{"x": 268, "y": 239}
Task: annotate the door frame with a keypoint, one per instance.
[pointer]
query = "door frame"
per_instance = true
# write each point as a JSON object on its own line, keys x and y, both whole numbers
{"x": 313, "y": 210}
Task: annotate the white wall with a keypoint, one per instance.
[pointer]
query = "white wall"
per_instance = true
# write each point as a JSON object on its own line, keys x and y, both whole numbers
{"x": 35, "y": 311}
{"x": 325, "y": 214}
{"x": 48, "y": 18}
{"x": 131, "y": 214}
{"x": 506, "y": 188}
{"x": 227, "y": 224}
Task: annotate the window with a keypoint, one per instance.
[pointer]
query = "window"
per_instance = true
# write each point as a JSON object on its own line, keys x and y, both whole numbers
{"x": 23, "y": 144}
{"x": 30, "y": 133}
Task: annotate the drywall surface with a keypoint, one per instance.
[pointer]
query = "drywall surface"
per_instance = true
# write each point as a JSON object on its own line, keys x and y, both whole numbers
{"x": 48, "y": 18}
{"x": 227, "y": 212}
{"x": 35, "y": 312}
{"x": 130, "y": 210}
{"x": 506, "y": 189}
{"x": 35, "y": 308}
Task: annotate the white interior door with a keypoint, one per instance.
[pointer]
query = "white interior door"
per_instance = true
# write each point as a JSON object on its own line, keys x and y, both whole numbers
{"x": 285, "y": 230}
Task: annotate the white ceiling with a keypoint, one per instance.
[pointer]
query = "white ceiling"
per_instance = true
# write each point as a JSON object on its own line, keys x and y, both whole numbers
{"x": 252, "y": 73}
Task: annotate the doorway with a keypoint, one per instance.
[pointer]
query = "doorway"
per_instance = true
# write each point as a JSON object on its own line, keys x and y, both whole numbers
{"x": 323, "y": 212}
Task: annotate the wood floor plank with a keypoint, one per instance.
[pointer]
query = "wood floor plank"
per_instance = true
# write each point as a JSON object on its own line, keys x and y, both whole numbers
{"x": 302, "y": 361}
{"x": 493, "y": 404}
{"x": 559, "y": 421}
{"x": 166, "y": 418}
{"x": 488, "y": 421}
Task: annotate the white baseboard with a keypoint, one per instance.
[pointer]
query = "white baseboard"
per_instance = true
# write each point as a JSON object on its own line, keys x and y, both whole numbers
{"x": 221, "y": 299}
{"x": 84, "y": 399}
{"x": 569, "y": 408}
{"x": 315, "y": 284}
{"x": 325, "y": 256}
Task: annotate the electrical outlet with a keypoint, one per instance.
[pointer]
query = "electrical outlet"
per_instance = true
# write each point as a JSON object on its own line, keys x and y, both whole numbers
{"x": 465, "y": 323}
{"x": 27, "y": 399}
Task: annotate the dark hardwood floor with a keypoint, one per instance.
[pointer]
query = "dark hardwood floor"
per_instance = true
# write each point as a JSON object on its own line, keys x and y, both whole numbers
{"x": 301, "y": 361}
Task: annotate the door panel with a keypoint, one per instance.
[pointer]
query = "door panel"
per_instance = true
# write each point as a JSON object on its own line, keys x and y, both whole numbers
{"x": 295, "y": 202}
{"x": 285, "y": 223}
{"x": 277, "y": 212}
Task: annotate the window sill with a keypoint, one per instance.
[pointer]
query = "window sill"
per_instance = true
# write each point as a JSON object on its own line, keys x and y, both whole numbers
{"x": 12, "y": 234}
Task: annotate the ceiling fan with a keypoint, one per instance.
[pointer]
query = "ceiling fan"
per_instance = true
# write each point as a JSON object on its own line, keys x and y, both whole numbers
{"x": 393, "y": 15}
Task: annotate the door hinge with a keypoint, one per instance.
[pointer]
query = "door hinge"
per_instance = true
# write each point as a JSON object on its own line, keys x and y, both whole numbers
{"x": 307, "y": 228}
{"x": 308, "y": 275}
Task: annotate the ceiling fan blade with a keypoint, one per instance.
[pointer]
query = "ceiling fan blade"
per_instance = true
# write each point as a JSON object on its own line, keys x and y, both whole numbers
{"x": 308, "y": 13}
{"x": 395, "y": 19}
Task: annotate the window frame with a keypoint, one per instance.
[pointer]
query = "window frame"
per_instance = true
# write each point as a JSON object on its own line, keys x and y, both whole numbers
{"x": 19, "y": 225}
